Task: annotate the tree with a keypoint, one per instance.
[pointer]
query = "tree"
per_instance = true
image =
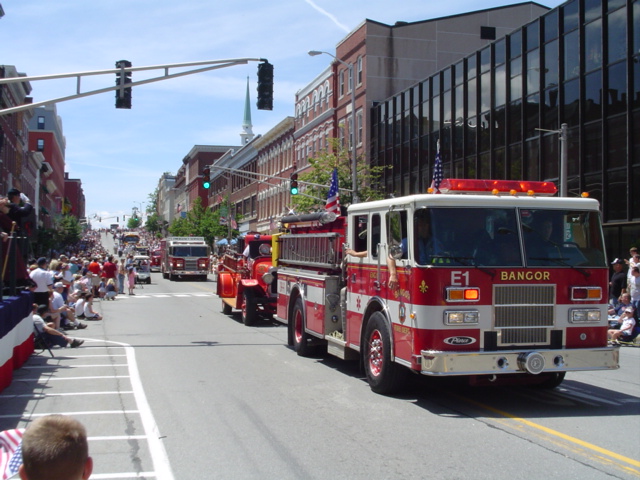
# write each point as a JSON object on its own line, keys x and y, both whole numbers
{"x": 133, "y": 222}
{"x": 201, "y": 222}
{"x": 313, "y": 198}
{"x": 154, "y": 224}
{"x": 69, "y": 231}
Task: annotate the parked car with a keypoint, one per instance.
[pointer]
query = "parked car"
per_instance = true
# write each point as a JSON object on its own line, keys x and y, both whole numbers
{"x": 143, "y": 268}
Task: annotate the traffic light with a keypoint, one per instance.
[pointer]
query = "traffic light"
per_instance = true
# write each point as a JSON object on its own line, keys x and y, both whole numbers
{"x": 293, "y": 184}
{"x": 206, "y": 178}
{"x": 265, "y": 86}
{"x": 123, "y": 96}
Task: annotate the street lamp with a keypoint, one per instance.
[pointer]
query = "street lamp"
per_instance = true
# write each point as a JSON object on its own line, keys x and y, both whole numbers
{"x": 354, "y": 157}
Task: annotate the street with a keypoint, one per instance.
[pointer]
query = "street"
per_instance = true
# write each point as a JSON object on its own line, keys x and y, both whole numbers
{"x": 168, "y": 387}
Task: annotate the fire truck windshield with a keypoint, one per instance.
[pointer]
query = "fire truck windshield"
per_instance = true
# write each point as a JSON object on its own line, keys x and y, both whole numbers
{"x": 190, "y": 251}
{"x": 507, "y": 237}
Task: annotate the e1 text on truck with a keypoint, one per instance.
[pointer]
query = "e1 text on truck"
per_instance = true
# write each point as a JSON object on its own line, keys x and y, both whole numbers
{"x": 498, "y": 281}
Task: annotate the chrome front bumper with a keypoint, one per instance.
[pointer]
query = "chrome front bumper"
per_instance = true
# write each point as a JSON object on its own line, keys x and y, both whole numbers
{"x": 439, "y": 363}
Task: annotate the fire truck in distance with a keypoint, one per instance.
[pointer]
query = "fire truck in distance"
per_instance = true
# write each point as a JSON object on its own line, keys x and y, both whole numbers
{"x": 242, "y": 280}
{"x": 184, "y": 257}
{"x": 498, "y": 281}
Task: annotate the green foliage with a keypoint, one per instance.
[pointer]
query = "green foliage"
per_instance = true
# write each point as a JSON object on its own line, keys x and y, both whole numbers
{"x": 201, "y": 222}
{"x": 312, "y": 198}
{"x": 69, "y": 230}
{"x": 152, "y": 203}
{"x": 154, "y": 224}
{"x": 133, "y": 222}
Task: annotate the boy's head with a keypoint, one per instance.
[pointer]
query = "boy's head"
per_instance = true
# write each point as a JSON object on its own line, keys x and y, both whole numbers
{"x": 55, "y": 448}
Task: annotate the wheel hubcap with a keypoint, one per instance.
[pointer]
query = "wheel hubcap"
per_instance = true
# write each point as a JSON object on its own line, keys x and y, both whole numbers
{"x": 375, "y": 353}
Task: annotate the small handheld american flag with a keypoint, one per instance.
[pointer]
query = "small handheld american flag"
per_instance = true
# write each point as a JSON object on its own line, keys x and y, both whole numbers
{"x": 10, "y": 452}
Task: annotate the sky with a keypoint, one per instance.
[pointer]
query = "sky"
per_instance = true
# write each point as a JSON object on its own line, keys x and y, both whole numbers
{"x": 121, "y": 154}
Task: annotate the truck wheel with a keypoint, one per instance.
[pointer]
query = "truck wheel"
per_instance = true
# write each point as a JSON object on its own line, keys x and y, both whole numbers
{"x": 226, "y": 308}
{"x": 299, "y": 336}
{"x": 249, "y": 313}
{"x": 383, "y": 374}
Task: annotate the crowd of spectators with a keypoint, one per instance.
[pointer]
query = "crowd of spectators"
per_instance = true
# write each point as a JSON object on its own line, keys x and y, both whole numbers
{"x": 624, "y": 299}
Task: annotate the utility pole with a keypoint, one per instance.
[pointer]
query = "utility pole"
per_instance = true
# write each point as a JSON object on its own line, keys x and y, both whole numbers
{"x": 564, "y": 155}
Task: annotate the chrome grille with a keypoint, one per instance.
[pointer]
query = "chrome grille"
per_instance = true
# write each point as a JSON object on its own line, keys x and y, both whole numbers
{"x": 524, "y": 314}
{"x": 510, "y": 336}
{"x": 191, "y": 264}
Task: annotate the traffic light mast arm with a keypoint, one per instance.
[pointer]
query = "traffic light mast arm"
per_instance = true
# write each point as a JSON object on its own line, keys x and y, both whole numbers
{"x": 211, "y": 65}
{"x": 256, "y": 176}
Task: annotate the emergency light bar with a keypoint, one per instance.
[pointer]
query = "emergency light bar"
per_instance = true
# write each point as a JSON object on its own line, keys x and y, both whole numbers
{"x": 495, "y": 187}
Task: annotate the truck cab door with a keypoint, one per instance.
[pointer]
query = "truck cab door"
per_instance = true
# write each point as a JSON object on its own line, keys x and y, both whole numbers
{"x": 399, "y": 297}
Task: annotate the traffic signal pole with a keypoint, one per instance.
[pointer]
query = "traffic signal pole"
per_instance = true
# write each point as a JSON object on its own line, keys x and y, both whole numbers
{"x": 206, "y": 66}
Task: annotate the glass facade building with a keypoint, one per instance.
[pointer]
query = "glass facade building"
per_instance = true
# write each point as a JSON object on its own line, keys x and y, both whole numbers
{"x": 496, "y": 113}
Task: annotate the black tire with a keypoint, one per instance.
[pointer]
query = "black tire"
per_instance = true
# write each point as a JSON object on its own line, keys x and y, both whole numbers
{"x": 299, "y": 336}
{"x": 226, "y": 308}
{"x": 551, "y": 381}
{"x": 249, "y": 312}
{"x": 384, "y": 376}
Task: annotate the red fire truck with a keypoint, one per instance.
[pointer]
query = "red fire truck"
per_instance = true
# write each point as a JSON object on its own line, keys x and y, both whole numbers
{"x": 498, "y": 281}
{"x": 241, "y": 280}
{"x": 185, "y": 257}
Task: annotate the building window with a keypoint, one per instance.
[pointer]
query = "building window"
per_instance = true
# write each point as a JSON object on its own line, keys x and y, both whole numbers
{"x": 359, "y": 125}
{"x": 488, "y": 33}
{"x": 360, "y": 70}
{"x": 341, "y": 83}
{"x": 40, "y": 144}
{"x": 40, "y": 123}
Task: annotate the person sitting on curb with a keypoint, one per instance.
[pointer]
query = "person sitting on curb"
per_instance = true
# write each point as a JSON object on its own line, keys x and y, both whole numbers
{"x": 65, "y": 313}
{"x": 89, "y": 312}
{"x": 627, "y": 324}
{"x": 55, "y": 446}
{"x": 50, "y": 334}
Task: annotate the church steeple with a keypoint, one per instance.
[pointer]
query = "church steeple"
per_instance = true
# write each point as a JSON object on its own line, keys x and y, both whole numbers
{"x": 247, "y": 135}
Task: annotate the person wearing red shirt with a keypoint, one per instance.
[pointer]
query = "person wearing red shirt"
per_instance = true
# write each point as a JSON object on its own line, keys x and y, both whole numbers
{"x": 109, "y": 269}
{"x": 95, "y": 269}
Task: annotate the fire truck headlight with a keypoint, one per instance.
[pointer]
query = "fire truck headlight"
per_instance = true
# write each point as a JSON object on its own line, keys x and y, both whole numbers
{"x": 270, "y": 276}
{"x": 461, "y": 317}
{"x": 585, "y": 315}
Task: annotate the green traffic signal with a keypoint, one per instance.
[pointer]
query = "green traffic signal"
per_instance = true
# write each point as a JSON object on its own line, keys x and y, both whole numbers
{"x": 206, "y": 178}
{"x": 293, "y": 184}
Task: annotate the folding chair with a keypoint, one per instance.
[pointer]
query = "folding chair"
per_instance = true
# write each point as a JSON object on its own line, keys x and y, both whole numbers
{"x": 40, "y": 342}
